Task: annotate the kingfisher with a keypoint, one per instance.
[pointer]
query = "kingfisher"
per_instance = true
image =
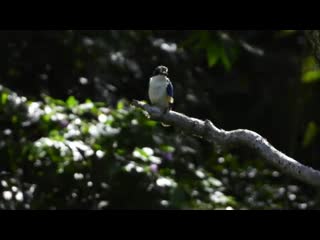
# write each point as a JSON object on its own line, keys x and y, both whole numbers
{"x": 161, "y": 90}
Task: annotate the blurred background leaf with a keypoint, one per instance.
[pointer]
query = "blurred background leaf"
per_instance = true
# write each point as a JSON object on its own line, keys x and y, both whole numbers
{"x": 310, "y": 134}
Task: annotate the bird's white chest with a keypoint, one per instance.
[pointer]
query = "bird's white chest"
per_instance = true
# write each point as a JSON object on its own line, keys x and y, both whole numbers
{"x": 158, "y": 90}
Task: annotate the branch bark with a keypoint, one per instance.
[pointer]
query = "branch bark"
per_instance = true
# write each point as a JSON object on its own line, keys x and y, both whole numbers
{"x": 207, "y": 130}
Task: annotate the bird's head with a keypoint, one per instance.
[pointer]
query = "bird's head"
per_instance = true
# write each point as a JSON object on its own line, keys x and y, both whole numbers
{"x": 160, "y": 70}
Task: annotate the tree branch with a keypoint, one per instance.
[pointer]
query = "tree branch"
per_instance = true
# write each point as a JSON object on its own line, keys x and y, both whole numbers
{"x": 206, "y": 129}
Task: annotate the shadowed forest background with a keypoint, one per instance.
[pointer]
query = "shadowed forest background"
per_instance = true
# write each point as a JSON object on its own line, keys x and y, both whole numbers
{"x": 69, "y": 138}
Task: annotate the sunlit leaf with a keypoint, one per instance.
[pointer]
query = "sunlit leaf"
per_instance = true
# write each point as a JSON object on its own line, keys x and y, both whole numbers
{"x": 143, "y": 154}
{"x": 213, "y": 53}
{"x": 311, "y": 76}
{"x": 54, "y": 134}
{"x": 310, "y": 134}
{"x": 120, "y": 105}
{"x": 120, "y": 151}
{"x": 285, "y": 33}
{"x": 72, "y": 102}
{"x": 167, "y": 148}
{"x": 46, "y": 118}
{"x": 226, "y": 61}
{"x": 4, "y": 98}
{"x": 151, "y": 123}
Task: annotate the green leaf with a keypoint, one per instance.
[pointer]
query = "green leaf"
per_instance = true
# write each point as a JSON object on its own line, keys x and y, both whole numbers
{"x": 203, "y": 40}
{"x": 52, "y": 102}
{"x": 4, "y": 98}
{"x": 310, "y": 134}
{"x": 150, "y": 123}
{"x": 72, "y": 102}
{"x": 289, "y": 31}
{"x": 120, "y": 151}
{"x": 85, "y": 128}
{"x": 142, "y": 153}
{"x": 285, "y": 33}
{"x": 226, "y": 61}
{"x": 55, "y": 135}
{"x": 167, "y": 148}
{"x": 120, "y": 105}
{"x": 309, "y": 63}
{"x": 213, "y": 54}
{"x": 311, "y": 76}
{"x": 216, "y": 52}
{"x": 96, "y": 146}
{"x": 46, "y": 118}
{"x": 59, "y": 102}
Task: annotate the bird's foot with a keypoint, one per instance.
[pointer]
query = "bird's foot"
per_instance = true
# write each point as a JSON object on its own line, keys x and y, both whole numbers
{"x": 165, "y": 111}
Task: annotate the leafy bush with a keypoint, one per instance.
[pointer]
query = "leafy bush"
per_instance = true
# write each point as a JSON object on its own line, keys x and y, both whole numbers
{"x": 62, "y": 155}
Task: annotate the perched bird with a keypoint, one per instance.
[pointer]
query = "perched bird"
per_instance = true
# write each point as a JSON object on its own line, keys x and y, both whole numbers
{"x": 161, "y": 90}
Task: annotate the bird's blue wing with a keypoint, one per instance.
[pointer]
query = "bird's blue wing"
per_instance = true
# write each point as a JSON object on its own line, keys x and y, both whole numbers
{"x": 170, "y": 89}
{"x": 170, "y": 92}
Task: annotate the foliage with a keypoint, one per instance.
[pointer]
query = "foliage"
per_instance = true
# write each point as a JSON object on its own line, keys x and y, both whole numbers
{"x": 71, "y": 155}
